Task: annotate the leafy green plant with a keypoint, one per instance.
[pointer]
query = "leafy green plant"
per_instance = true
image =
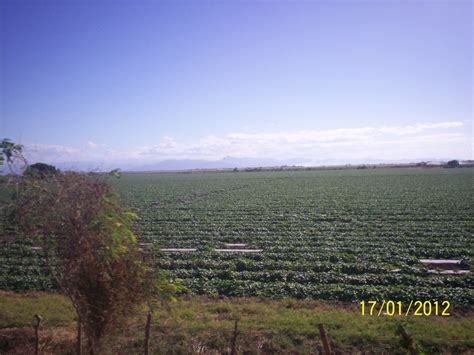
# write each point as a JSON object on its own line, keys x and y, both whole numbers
{"x": 336, "y": 235}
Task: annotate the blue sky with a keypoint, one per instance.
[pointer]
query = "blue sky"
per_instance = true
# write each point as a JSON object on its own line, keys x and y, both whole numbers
{"x": 153, "y": 80}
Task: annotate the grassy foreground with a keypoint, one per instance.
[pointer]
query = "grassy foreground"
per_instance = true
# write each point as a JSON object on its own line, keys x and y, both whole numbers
{"x": 203, "y": 325}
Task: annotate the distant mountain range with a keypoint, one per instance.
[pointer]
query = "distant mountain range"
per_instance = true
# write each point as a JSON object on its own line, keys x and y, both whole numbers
{"x": 177, "y": 164}
{"x": 225, "y": 163}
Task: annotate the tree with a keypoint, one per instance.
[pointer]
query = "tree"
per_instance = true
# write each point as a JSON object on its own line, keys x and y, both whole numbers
{"x": 452, "y": 164}
{"x": 41, "y": 170}
{"x": 90, "y": 247}
{"x": 10, "y": 152}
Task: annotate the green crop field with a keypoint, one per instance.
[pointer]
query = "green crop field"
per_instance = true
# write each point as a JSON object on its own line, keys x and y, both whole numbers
{"x": 354, "y": 234}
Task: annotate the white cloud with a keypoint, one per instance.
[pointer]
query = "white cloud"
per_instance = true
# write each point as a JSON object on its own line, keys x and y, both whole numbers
{"x": 434, "y": 140}
{"x": 419, "y": 127}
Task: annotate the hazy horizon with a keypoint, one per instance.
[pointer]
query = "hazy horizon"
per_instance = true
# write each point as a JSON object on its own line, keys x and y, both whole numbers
{"x": 127, "y": 84}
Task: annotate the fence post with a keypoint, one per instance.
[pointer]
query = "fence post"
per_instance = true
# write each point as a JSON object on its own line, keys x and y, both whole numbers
{"x": 234, "y": 339}
{"x": 324, "y": 338}
{"x": 37, "y": 326}
{"x": 408, "y": 340}
{"x": 147, "y": 333}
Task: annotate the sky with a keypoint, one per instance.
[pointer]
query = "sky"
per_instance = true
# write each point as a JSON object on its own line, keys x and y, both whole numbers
{"x": 135, "y": 82}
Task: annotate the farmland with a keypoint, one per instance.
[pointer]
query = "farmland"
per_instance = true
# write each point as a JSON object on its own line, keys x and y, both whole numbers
{"x": 343, "y": 235}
